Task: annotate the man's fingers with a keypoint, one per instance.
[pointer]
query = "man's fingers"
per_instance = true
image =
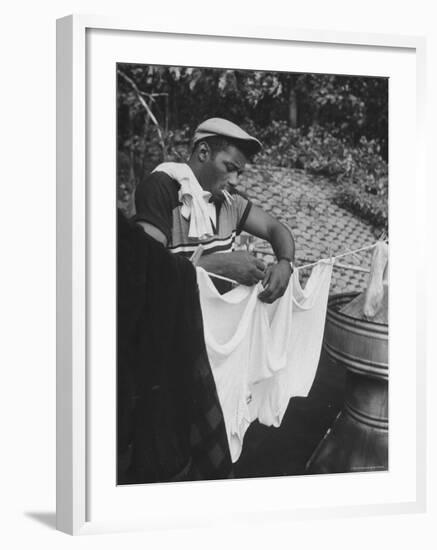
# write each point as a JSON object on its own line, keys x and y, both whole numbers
{"x": 272, "y": 292}
{"x": 252, "y": 277}
{"x": 267, "y": 277}
{"x": 258, "y": 274}
{"x": 263, "y": 295}
{"x": 274, "y": 286}
{"x": 268, "y": 295}
{"x": 260, "y": 264}
{"x": 267, "y": 298}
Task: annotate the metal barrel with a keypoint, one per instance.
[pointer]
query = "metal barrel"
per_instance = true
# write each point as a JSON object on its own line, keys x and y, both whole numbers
{"x": 358, "y": 439}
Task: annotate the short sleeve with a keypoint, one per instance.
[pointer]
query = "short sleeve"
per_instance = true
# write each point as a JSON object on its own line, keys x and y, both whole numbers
{"x": 243, "y": 207}
{"x": 155, "y": 198}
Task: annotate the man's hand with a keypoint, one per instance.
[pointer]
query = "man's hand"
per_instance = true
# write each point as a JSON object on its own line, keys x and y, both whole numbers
{"x": 262, "y": 225}
{"x": 239, "y": 266}
{"x": 275, "y": 281}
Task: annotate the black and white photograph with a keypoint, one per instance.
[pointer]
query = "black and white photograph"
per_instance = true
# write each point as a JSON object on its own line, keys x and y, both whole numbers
{"x": 218, "y": 292}
{"x": 252, "y": 273}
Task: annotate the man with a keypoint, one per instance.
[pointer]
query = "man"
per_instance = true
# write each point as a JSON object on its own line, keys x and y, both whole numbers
{"x": 175, "y": 201}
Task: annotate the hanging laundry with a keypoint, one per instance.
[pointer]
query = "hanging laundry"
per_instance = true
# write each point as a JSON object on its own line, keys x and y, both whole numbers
{"x": 372, "y": 304}
{"x": 271, "y": 396}
{"x": 263, "y": 354}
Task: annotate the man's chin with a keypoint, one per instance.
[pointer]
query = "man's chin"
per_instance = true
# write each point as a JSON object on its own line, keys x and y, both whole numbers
{"x": 217, "y": 199}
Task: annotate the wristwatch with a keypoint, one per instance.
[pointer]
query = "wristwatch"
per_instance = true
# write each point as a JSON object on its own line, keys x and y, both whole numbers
{"x": 288, "y": 260}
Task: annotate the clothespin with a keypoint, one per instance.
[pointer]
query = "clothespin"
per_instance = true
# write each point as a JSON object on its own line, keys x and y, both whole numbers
{"x": 353, "y": 253}
{"x": 195, "y": 257}
{"x": 331, "y": 259}
{"x": 383, "y": 236}
{"x": 352, "y": 267}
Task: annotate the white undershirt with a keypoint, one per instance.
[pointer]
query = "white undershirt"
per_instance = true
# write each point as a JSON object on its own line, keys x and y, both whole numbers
{"x": 262, "y": 354}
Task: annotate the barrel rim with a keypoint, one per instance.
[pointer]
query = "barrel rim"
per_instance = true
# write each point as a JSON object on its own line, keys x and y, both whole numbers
{"x": 334, "y": 298}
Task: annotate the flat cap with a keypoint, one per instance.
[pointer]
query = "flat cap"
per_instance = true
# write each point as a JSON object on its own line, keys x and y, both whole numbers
{"x": 226, "y": 128}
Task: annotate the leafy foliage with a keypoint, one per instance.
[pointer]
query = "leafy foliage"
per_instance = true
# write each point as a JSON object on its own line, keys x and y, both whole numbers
{"x": 331, "y": 125}
{"x": 360, "y": 173}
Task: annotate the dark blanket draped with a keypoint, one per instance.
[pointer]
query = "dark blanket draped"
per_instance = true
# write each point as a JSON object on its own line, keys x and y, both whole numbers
{"x": 170, "y": 424}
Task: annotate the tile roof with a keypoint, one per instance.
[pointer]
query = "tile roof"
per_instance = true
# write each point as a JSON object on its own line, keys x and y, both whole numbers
{"x": 305, "y": 203}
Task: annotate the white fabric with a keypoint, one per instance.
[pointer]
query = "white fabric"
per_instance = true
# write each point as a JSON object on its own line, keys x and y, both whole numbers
{"x": 262, "y": 354}
{"x": 195, "y": 201}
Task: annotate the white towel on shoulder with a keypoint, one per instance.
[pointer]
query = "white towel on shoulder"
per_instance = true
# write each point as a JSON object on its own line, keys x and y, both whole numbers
{"x": 195, "y": 201}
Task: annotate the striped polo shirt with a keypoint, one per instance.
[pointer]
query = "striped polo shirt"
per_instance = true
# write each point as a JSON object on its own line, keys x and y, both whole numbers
{"x": 157, "y": 203}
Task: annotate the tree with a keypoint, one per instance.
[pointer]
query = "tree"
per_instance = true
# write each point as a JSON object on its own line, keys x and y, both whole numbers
{"x": 159, "y": 106}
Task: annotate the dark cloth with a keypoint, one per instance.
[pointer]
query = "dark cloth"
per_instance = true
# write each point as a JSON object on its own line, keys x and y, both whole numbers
{"x": 170, "y": 423}
{"x": 155, "y": 199}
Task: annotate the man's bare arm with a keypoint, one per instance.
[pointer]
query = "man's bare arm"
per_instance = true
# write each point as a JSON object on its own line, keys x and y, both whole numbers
{"x": 265, "y": 226}
{"x": 262, "y": 225}
{"x": 246, "y": 269}
{"x": 239, "y": 266}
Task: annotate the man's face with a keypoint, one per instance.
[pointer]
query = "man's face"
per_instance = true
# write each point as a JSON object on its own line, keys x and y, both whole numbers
{"x": 221, "y": 172}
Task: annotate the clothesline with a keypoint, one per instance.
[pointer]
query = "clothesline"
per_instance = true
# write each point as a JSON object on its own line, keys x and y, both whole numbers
{"x": 333, "y": 258}
{"x": 348, "y": 253}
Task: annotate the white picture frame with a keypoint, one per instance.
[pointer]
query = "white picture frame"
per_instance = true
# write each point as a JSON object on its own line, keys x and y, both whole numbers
{"x": 73, "y": 298}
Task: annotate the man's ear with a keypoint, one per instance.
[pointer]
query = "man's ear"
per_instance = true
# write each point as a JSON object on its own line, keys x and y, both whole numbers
{"x": 203, "y": 151}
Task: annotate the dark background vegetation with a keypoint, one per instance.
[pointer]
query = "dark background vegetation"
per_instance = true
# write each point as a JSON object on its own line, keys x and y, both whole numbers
{"x": 332, "y": 125}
